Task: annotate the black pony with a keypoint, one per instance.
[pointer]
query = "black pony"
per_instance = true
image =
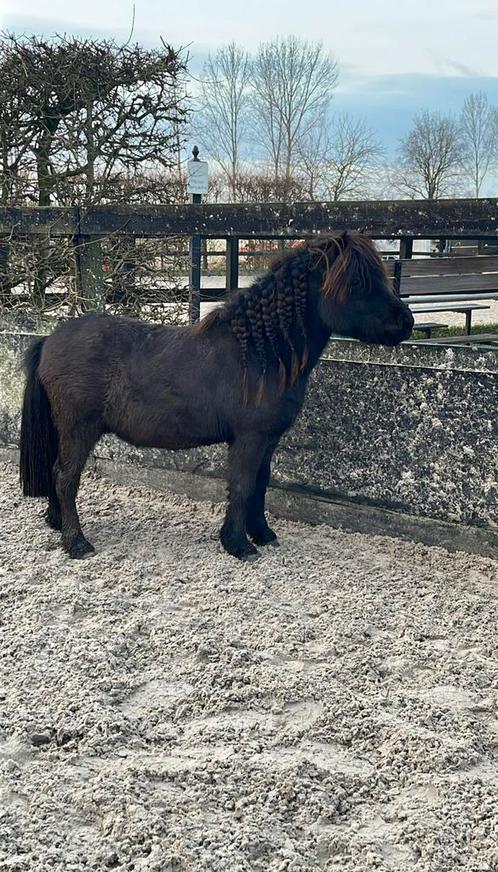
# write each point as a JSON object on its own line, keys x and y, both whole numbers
{"x": 239, "y": 376}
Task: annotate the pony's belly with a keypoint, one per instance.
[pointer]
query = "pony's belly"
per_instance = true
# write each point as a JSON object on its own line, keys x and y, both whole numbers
{"x": 168, "y": 425}
{"x": 165, "y": 439}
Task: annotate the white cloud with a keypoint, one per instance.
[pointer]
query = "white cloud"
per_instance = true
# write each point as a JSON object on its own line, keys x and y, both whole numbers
{"x": 450, "y": 37}
{"x": 91, "y": 13}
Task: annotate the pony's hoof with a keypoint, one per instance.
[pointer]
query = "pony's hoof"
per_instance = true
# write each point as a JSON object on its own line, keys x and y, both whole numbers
{"x": 242, "y": 550}
{"x": 264, "y": 537}
{"x": 80, "y": 548}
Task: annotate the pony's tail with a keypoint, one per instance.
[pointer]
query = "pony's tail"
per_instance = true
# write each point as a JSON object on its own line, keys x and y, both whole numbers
{"x": 39, "y": 441}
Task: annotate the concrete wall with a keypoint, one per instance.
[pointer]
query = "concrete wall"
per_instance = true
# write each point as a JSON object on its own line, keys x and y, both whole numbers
{"x": 385, "y": 435}
{"x": 12, "y": 346}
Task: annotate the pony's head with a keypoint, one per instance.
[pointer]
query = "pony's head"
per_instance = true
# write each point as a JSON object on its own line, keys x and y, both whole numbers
{"x": 354, "y": 294}
{"x": 333, "y": 285}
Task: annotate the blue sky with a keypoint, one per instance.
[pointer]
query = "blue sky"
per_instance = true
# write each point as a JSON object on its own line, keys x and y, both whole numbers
{"x": 395, "y": 56}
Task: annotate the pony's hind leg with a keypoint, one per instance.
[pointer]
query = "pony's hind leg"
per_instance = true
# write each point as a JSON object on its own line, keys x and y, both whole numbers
{"x": 53, "y": 514}
{"x": 245, "y": 457}
{"x": 257, "y": 525}
{"x": 74, "y": 447}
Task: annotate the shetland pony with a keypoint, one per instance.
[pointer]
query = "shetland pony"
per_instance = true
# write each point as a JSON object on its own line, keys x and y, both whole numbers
{"x": 239, "y": 376}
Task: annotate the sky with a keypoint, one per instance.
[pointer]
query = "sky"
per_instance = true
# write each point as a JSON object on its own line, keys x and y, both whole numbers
{"x": 395, "y": 57}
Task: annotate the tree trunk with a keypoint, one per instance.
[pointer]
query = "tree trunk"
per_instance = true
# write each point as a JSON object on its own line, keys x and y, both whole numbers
{"x": 124, "y": 276}
{"x": 4, "y": 243}
{"x": 90, "y": 154}
{"x": 5, "y": 288}
{"x": 44, "y": 199}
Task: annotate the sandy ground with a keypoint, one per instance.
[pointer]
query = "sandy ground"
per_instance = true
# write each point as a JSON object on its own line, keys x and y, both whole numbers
{"x": 163, "y": 707}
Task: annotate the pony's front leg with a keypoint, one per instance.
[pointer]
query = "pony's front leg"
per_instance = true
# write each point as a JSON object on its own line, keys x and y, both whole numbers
{"x": 244, "y": 459}
{"x": 257, "y": 526}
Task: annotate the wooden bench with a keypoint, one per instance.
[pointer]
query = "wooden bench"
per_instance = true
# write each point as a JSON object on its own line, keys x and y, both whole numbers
{"x": 446, "y": 284}
{"x": 427, "y": 327}
{"x": 464, "y": 308}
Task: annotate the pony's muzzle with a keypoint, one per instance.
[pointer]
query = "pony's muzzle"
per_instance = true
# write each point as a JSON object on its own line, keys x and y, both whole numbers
{"x": 401, "y": 326}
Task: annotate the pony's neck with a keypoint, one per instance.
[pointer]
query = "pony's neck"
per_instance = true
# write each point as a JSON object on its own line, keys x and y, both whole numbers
{"x": 318, "y": 337}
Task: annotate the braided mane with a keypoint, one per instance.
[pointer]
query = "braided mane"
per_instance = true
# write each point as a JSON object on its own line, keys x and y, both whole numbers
{"x": 272, "y": 316}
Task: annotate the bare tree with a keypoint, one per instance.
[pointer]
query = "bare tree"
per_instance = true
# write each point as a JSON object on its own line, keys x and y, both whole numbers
{"x": 431, "y": 156}
{"x": 479, "y": 126}
{"x": 222, "y": 119}
{"x": 92, "y": 110}
{"x": 217, "y": 188}
{"x": 93, "y": 116}
{"x": 353, "y": 150}
{"x": 312, "y": 153}
{"x": 15, "y": 143}
{"x": 337, "y": 158}
{"x": 15, "y": 165}
{"x": 293, "y": 81}
{"x": 260, "y": 186}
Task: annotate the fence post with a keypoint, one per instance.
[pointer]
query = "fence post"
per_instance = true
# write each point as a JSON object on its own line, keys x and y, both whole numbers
{"x": 90, "y": 286}
{"x": 195, "y": 273}
{"x": 196, "y": 186}
{"x": 406, "y": 246}
{"x": 232, "y": 264}
{"x": 89, "y": 275}
{"x": 397, "y": 277}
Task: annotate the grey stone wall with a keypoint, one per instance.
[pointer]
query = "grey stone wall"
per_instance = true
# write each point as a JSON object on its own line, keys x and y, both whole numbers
{"x": 12, "y": 347}
{"x": 412, "y": 430}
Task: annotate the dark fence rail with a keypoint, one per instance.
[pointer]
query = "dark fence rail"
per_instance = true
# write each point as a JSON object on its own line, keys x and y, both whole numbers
{"x": 381, "y": 219}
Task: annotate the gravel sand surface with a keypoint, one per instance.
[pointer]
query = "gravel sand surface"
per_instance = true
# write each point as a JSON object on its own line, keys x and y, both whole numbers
{"x": 163, "y": 707}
